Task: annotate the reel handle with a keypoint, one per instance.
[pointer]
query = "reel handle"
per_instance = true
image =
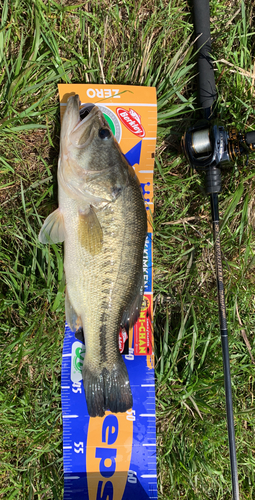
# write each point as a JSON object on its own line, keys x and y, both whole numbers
{"x": 207, "y": 88}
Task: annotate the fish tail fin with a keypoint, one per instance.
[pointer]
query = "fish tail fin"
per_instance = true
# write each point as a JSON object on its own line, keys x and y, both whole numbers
{"x": 110, "y": 390}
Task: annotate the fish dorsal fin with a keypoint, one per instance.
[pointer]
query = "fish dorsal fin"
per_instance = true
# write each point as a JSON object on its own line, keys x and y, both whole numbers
{"x": 72, "y": 318}
{"x": 53, "y": 230}
{"x": 90, "y": 231}
{"x": 131, "y": 313}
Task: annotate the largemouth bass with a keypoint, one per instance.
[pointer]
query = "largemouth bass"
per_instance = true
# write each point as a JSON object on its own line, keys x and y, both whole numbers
{"x": 102, "y": 220}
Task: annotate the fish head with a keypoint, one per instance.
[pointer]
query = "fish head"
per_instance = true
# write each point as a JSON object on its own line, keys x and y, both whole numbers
{"x": 89, "y": 153}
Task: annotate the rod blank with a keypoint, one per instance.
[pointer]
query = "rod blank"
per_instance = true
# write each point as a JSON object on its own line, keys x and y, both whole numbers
{"x": 224, "y": 344}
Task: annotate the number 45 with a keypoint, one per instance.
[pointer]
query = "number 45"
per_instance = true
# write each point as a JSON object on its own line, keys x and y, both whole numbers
{"x": 76, "y": 387}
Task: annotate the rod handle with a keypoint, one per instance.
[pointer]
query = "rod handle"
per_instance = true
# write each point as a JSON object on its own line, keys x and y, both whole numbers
{"x": 207, "y": 88}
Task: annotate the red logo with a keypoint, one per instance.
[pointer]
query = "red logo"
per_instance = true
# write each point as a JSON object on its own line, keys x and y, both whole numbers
{"x": 142, "y": 329}
{"x": 131, "y": 120}
{"x": 122, "y": 339}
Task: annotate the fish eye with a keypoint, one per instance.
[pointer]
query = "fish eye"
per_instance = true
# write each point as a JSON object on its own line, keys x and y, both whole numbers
{"x": 104, "y": 133}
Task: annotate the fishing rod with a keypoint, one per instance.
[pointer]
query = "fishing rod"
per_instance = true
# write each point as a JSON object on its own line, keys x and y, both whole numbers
{"x": 208, "y": 146}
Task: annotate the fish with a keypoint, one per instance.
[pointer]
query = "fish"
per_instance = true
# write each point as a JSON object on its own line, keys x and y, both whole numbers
{"x": 101, "y": 218}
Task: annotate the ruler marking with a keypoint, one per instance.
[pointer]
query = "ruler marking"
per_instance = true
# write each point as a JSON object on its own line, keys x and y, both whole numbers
{"x": 150, "y": 476}
{"x": 147, "y": 415}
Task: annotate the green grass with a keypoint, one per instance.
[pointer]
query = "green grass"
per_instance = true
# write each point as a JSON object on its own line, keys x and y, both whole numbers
{"x": 149, "y": 43}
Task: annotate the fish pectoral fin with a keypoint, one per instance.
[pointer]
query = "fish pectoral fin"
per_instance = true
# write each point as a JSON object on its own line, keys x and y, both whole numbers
{"x": 132, "y": 311}
{"x": 72, "y": 318}
{"x": 79, "y": 335}
{"x": 53, "y": 229}
{"x": 90, "y": 232}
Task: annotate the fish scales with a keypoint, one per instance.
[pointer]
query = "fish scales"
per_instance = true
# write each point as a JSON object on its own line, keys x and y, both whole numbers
{"x": 103, "y": 223}
{"x": 104, "y": 287}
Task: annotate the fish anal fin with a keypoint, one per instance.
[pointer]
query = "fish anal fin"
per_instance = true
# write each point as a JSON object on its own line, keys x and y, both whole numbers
{"x": 53, "y": 229}
{"x": 90, "y": 233}
{"x": 72, "y": 318}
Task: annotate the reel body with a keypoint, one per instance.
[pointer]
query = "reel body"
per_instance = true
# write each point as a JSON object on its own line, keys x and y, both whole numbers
{"x": 208, "y": 147}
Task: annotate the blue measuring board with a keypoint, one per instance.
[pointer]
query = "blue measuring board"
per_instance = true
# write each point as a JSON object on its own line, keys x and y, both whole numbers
{"x": 111, "y": 457}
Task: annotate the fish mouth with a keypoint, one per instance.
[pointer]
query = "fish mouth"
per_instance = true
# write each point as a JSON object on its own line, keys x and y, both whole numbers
{"x": 89, "y": 119}
{"x": 86, "y": 109}
{"x": 91, "y": 111}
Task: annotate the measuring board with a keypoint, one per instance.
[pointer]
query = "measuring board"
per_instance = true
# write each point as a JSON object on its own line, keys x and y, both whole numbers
{"x": 114, "y": 457}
